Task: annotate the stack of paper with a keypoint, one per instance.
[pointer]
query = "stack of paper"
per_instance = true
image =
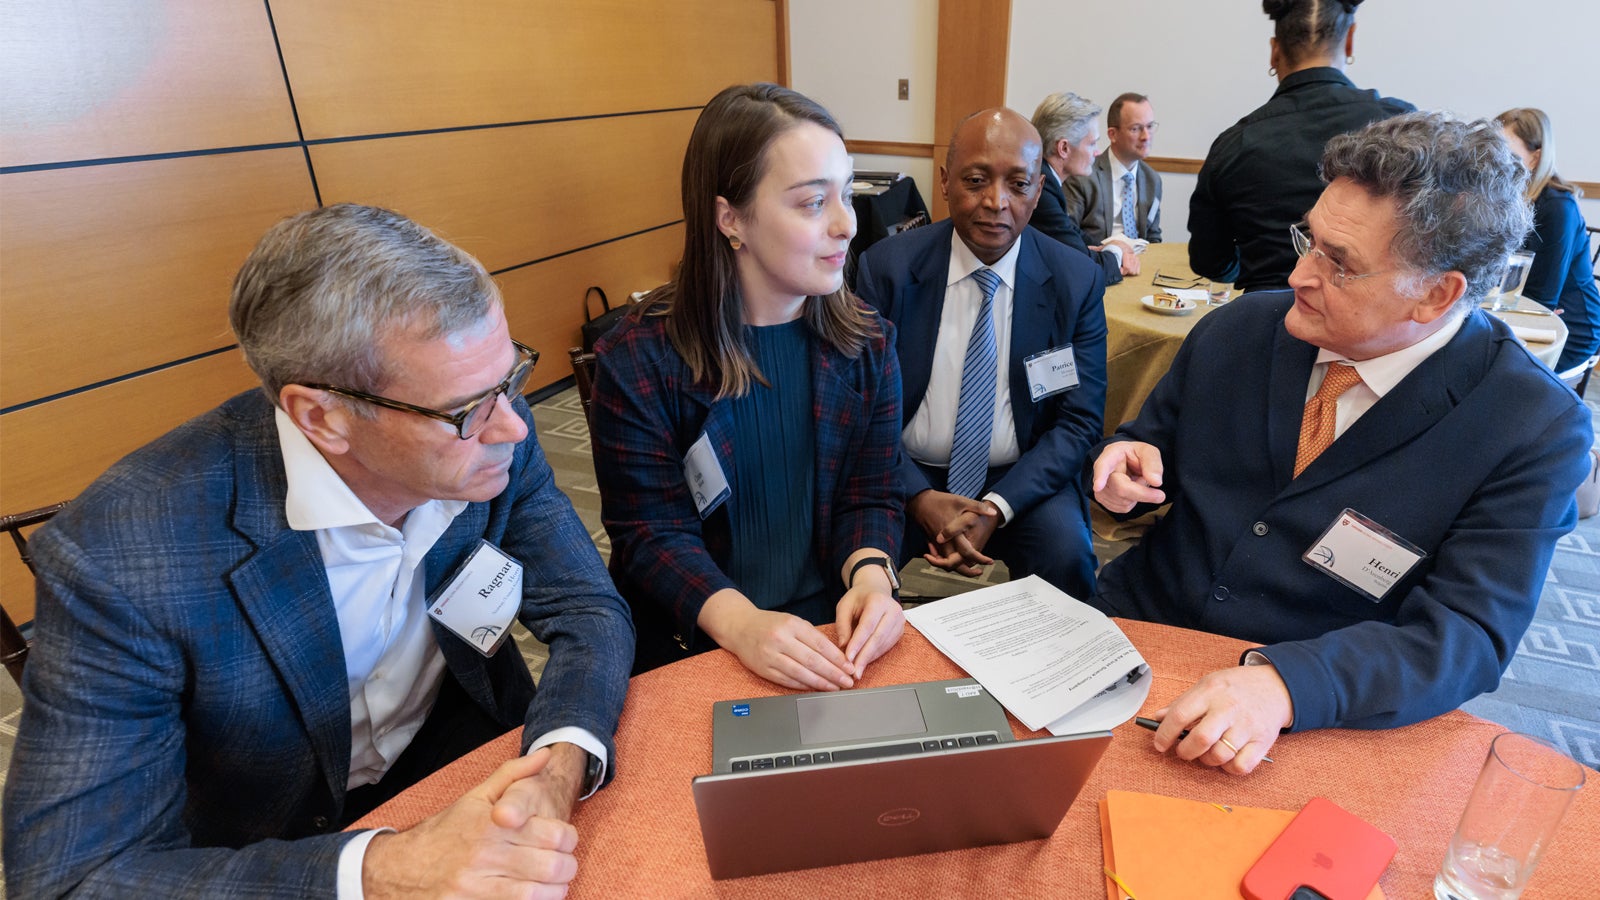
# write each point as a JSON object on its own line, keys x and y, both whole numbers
{"x": 1053, "y": 661}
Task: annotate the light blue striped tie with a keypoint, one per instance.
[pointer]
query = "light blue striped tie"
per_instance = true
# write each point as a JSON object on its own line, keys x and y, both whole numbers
{"x": 969, "y": 449}
{"x": 1130, "y": 219}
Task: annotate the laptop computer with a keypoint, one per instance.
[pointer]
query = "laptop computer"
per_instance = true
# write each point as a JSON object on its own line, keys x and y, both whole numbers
{"x": 808, "y": 780}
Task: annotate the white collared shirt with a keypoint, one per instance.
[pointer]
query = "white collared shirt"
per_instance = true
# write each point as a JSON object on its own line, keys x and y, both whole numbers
{"x": 1379, "y": 375}
{"x": 393, "y": 665}
{"x": 932, "y": 429}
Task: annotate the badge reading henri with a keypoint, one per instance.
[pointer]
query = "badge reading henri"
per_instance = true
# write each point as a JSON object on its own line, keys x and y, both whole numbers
{"x": 704, "y": 474}
{"x": 1051, "y": 372}
{"x": 1363, "y": 555}
{"x": 480, "y": 600}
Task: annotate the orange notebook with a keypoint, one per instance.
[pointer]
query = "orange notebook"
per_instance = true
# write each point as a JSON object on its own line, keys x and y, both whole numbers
{"x": 1165, "y": 848}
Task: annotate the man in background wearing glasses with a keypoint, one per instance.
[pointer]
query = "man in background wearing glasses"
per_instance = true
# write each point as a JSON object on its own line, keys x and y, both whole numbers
{"x": 260, "y": 626}
{"x": 1122, "y": 194}
{"x": 1368, "y": 474}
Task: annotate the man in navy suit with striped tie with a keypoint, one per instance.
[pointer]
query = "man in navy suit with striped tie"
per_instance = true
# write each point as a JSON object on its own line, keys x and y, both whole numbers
{"x": 1002, "y": 339}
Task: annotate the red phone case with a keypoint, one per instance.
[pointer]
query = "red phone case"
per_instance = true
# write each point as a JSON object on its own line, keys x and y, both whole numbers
{"x": 1339, "y": 854}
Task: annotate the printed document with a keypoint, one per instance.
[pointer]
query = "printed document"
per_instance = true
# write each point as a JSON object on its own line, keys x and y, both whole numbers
{"x": 1053, "y": 661}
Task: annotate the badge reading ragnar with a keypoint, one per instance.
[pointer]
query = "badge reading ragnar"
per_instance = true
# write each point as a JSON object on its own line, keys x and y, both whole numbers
{"x": 481, "y": 599}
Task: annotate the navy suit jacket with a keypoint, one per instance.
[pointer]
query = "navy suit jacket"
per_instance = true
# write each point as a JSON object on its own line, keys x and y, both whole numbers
{"x": 1058, "y": 300}
{"x": 1089, "y": 197}
{"x": 1474, "y": 457}
{"x": 1050, "y": 217}
{"x": 186, "y": 711}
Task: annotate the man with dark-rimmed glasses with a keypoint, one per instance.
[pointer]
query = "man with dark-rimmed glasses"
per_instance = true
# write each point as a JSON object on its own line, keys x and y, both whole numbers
{"x": 284, "y": 612}
{"x": 1367, "y": 474}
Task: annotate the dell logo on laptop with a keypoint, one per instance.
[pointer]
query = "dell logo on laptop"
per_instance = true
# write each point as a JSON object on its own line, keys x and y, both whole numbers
{"x": 905, "y": 815}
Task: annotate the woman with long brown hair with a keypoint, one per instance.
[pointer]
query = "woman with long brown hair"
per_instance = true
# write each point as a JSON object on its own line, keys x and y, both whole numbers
{"x": 746, "y": 421}
{"x": 1562, "y": 274}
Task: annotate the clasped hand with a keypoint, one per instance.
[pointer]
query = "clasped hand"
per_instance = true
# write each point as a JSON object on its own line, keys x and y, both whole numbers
{"x": 787, "y": 650}
{"x": 958, "y": 527}
{"x": 496, "y": 841}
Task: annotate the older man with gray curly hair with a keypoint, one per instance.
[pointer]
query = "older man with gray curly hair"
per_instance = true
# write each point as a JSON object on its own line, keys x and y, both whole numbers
{"x": 1368, "y": 475}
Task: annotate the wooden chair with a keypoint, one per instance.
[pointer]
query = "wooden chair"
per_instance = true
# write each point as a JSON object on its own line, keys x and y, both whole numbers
{"x": 583, "y": 373}
{"x": 13, "y": 646}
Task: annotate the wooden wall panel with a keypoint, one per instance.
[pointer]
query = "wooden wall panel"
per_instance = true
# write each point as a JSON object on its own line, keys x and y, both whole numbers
{"x": 511, "y": 195}
{"x": 381, "y": 66}
{"x": 974, "y": 39}
{"x": 112, "y": 269}
{"x": 52, "y": 451}
{"x": 544, "y": 302}
{"x": 89, "y": 81}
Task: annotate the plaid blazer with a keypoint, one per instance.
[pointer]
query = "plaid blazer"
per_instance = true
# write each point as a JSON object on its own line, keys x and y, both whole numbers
{"x": 186, "y": 704}
{"x": 648, "y": 412}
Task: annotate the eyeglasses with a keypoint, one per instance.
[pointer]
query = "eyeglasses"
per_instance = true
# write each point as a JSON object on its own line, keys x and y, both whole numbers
{"x": 1305, "y": 246}
{"x": 470, "y": 419}
{"x": 1137, "y": 130}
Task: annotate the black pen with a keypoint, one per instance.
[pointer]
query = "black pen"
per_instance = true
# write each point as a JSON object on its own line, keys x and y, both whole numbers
{"x": 1152, "y": 724}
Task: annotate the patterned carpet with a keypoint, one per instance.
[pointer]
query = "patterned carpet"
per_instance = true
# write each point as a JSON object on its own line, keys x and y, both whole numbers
{"x": 1552, "y": 688}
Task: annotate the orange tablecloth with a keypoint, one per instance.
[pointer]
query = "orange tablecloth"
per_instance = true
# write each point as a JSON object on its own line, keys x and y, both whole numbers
{"x": 639, "y": 837}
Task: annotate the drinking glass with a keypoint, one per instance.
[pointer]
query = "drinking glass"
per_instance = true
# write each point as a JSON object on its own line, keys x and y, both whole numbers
{"x": 1521, "y": 794}
{"x": 1218, "y": 294}
{"x": 1510, "y": 291}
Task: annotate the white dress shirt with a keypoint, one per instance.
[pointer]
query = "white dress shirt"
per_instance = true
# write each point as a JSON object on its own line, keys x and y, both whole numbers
{"x": 932, "y": 429}
{"x": 393, "y": 665}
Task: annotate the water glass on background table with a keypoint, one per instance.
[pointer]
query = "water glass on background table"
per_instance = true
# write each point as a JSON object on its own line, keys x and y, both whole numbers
{"x": 1218, "y": 294}
{"x": 1518, "y": 265}
{"x": 1521, "y": 794}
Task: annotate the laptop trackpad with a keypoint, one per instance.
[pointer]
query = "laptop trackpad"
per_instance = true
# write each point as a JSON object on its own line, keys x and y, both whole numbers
{"x": 859, "y": 716}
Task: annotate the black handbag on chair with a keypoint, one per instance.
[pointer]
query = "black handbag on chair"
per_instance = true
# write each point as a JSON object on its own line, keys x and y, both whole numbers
{"x": 595, "y": 326}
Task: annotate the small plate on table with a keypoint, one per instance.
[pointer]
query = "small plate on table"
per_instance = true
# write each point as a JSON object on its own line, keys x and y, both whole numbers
{"x": 1183, "y": 308}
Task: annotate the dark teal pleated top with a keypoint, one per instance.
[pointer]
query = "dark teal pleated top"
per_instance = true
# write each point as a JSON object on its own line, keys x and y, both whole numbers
{"x": 774, "y": 472}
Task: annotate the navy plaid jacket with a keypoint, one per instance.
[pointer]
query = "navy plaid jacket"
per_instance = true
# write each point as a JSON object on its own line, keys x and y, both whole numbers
{"x": 648, "y": 412}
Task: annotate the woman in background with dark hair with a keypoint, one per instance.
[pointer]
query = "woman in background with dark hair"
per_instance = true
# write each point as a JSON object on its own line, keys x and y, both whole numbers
{"x": 746, "y": 420}
{"x": 1260, "y": 176}
{"x": 1562, "y": 275}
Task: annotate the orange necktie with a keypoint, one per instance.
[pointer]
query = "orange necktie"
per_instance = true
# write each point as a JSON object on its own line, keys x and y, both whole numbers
{"x": 1316, "y": 425}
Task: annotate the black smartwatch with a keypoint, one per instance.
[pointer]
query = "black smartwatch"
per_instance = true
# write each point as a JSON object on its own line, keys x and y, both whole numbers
{"x": 888, "y": 568}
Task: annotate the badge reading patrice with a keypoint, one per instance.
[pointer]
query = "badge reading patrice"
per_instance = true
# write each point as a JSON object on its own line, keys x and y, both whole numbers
{"x": 704, "y": 474}
{"x": 1363, "y": 555}
{"x": 1051, "y": 372}
{"x": 480, "y": 600}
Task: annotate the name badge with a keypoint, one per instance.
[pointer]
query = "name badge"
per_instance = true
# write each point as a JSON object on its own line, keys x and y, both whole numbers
{"x": 1363, "y": 555}
{"x": 704, "y": 474}
{"x": 479, "y": 601}
{"x": 1051, "y": 372}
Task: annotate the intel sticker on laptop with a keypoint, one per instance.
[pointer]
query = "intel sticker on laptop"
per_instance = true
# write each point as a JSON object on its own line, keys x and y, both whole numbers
{"x": 741, "y": 709}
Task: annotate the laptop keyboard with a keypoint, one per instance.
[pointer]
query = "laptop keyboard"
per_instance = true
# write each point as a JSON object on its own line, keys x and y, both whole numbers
{"x": 855, "y": 754}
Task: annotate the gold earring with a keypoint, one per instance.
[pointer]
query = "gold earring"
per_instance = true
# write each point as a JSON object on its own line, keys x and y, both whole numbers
{"x": 734, "y": 242}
